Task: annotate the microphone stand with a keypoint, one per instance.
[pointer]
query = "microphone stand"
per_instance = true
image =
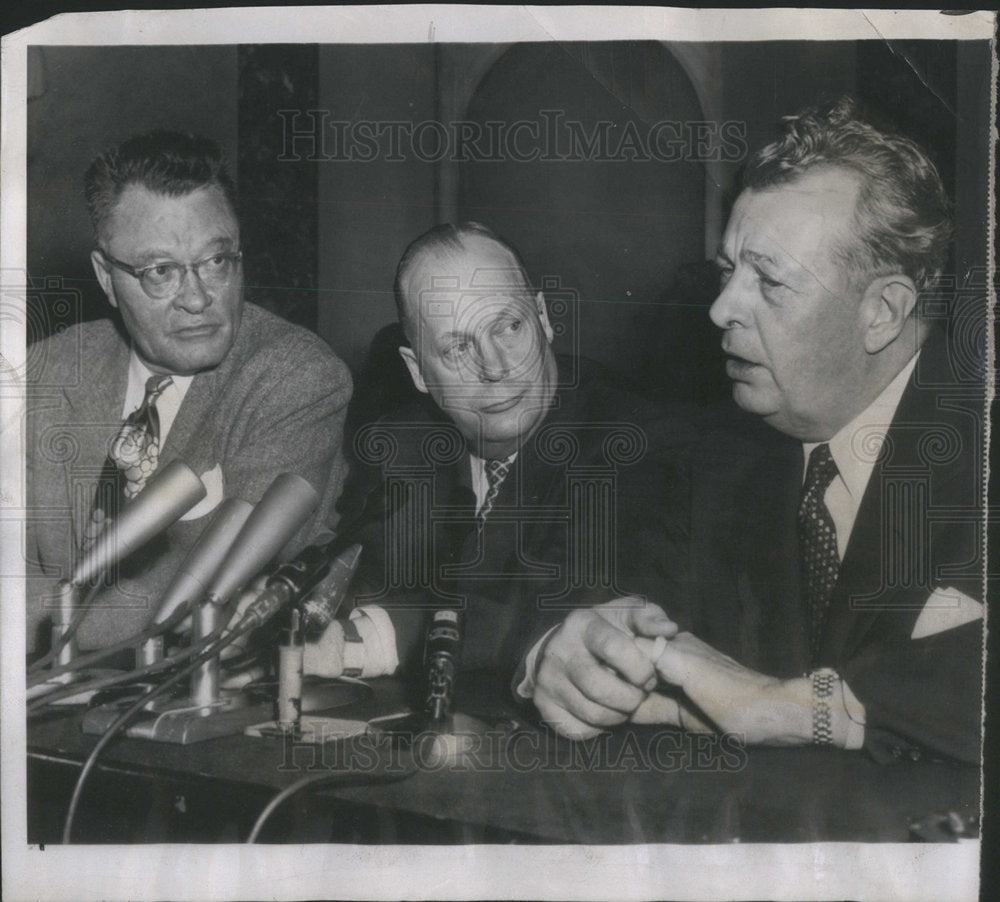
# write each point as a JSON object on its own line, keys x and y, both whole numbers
{"x": 172, "y": 491}
{"x": 209, "y": 712}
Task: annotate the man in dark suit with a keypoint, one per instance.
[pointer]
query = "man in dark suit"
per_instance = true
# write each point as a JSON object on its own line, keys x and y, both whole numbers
{"x": 524, "y": 486}
{"x": 837, "y": 551}
{"x": 235, "y": 392}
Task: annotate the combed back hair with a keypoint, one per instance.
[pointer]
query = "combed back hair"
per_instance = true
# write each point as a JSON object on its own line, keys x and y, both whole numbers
{"x": 448, "y": 238}
{"x": 902, "y": 217}
{"x": 164, "y": 162}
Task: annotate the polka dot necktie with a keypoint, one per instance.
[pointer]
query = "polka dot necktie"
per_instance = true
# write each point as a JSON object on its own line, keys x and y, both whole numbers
{"x": 818, "y": 555}
{"x": 135, "y": 450}
{"x": 496, "y": 472}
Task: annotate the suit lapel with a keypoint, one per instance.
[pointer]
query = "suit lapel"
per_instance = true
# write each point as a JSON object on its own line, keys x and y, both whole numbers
{"x": 188, "y": 426}
{"x": 880, "y": 566}
{"x": 95, "y": 404}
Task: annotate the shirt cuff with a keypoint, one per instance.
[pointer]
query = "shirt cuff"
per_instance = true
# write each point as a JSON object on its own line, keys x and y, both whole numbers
{"x": 855, "y": 711}
{"x": 379, "y": 637}
{"x": 526, "y": 688}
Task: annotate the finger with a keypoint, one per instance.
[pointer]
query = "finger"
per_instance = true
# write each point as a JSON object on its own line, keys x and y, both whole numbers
{"x": 651, "y": 620}
{"x": 657, "y": 708}
{"x": 561, "y": 691}
{"x": 603, "y": 686}
{"x": 677, "y": 665}
{"x": 619, "y": 651}
{"x": 564, "y": 723}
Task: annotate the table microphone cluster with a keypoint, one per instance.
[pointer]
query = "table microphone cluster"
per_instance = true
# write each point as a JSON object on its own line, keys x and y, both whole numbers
{"x": 234, "y": 548}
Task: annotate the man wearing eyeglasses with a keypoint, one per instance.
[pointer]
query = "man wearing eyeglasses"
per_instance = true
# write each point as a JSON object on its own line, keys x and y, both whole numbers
{"x": 184, "y": 370}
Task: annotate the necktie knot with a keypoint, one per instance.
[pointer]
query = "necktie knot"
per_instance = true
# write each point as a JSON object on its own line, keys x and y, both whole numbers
{"x": 496, "y": 472}
{"x": 155, "y": 386}
{"x": 820, "y": 472}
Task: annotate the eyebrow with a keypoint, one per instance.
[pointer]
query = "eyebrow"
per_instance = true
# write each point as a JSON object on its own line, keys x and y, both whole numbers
{"x": 451, "y": 336}
{"x": 756, "y": 257}
{"x": 208, "y": 249}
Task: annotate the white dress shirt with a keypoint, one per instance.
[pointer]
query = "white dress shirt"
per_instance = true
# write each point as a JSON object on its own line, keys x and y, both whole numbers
{"x": 855, "y": 449}
{"x": 168, "y": 404}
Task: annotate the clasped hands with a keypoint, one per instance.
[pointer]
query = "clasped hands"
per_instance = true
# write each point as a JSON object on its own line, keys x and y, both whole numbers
{"x": 596, "y": 671}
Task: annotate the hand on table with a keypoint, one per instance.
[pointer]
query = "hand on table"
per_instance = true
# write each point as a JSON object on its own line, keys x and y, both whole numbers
{"x": 761, "y": 708}
{"x": 592, "y": 674}
{"x": 663, "y": 708}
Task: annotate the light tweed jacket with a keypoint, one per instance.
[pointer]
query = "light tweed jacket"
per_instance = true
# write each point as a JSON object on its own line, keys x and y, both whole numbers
{"x": 275, "y": 404}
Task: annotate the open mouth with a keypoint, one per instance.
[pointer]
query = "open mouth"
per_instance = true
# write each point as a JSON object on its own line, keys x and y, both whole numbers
{"x": 737, "y": 367}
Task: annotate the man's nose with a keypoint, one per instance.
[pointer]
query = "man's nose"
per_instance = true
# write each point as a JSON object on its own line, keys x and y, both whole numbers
{"x": 729, "y": 308}
{"x": 493, "y": 364}
{"x": 192, "y": 296}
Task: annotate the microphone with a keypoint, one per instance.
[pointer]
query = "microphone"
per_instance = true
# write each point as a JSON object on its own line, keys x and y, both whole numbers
{"x": 319, "y": 572}
{"x": 171, "y": 492}
{"x": 284, "y": 507}
{"x": 206, "y": 556}
{"x": 441, "y": 655}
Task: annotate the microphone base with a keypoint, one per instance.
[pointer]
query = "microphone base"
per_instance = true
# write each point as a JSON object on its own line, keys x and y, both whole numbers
{"x": 181, "y": 721}
{"x": 438, "y": 742}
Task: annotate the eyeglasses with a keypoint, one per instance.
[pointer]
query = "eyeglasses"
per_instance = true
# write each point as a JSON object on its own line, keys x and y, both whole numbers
{"x": 164, "y": 280}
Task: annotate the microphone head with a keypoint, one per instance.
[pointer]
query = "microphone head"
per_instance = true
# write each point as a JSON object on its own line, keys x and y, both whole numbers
{"x": 171, "y": 492}
{"x": 205, "y": 557}
{"x": 320, "y": 607}
{"x": 284, "y": 507}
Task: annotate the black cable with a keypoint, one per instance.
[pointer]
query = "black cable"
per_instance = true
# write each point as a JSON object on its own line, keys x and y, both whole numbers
{"x": 212, "y": 644}
{"x": 106, "y": 682}
{"x": 311, "y": 779}
{"x": 150, "y": 632}
{"x": 99, "y": 683}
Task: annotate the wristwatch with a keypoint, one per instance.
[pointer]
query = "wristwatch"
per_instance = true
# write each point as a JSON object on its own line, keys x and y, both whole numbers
{"x": 823, "y": 682}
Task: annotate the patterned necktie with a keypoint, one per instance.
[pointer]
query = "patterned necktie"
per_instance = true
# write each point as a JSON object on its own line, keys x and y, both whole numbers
{"x": 135, "y": 451}
{"x": 818, "y": 555}
{"x": 496, "y": 472}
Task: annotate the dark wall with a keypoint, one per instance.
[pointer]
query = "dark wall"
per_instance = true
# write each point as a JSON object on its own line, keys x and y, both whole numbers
{"x": 604, "y": 226}
{"x": 369, "y": 210}
{"x": 85, "y": 99}
{"x": 629, "y": 239}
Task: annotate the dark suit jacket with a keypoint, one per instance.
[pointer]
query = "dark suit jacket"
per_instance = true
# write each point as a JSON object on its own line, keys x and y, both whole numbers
{"x": 275, "y": 404}
{"x": 594, "y": 507}
{"x": 917, "y": 530}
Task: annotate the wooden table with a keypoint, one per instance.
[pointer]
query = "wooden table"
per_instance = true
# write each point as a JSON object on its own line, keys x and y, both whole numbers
{"x": 647, "y": 784}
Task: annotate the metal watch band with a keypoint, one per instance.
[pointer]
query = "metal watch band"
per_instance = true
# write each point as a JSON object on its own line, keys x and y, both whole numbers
{"x": 823, "y": 682}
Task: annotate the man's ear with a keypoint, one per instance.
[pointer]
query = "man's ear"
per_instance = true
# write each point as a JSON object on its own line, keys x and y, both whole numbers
{"x": 888, "y": 304}
{"x": 410, "y": 359}
{"x": 543, "y": 317}
{"x": 103, "y": 276}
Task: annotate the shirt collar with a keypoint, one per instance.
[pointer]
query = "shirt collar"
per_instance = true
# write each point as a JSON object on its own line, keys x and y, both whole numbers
{"x": 481, "y": 463}
{"x": 138, "y": 375}
{"x": 856, "y": 447}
